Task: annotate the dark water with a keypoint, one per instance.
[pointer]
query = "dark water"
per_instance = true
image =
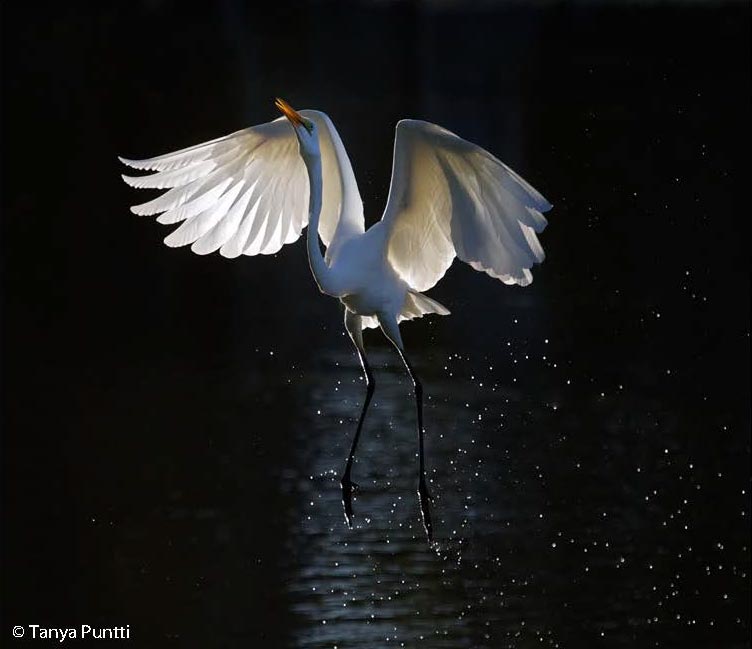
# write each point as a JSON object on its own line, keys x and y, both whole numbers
{"x": 174, "y": 427}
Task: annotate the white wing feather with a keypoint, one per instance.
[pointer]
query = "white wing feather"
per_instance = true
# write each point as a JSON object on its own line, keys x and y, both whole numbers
{"x": 247, "y": 193}
{"x": 449, "y": 197}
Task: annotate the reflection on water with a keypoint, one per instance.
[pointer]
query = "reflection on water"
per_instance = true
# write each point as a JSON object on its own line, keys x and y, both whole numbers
{"x": 380, "y": 582}
{"x": 548, "y": 525}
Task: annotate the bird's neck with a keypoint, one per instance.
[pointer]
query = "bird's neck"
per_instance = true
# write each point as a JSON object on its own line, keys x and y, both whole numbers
{"x": 320, "y": 269}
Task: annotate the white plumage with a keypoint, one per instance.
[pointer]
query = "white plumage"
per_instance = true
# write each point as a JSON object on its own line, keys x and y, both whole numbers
{"x": 247, "y": 192}
{"x": 450, "y": 198}
{"x": 255, "y": 190}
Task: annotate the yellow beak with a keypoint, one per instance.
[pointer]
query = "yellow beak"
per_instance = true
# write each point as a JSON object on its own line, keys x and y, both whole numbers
{"x": 289, "y": 112}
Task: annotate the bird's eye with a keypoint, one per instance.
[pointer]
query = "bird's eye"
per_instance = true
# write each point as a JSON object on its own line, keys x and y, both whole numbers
{"x": 308, "y": 126}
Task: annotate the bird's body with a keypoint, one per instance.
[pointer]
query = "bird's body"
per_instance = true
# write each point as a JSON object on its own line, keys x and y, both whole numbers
{"x": 359, "y": 268}
{"x": 369, "y": 284}
{"x": 253, "y": 191}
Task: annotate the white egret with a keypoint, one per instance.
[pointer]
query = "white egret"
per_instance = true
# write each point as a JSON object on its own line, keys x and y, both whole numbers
{"x": 255, "y": 190}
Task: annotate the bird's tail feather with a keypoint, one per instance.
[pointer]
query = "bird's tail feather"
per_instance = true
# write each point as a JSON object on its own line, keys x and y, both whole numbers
{"x": 416, "y": 306}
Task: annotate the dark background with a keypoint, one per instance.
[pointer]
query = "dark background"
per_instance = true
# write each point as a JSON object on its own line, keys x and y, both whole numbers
{"x": 173, "y": 426}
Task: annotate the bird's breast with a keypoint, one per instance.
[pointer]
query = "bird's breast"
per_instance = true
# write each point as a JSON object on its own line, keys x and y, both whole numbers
{"x": 362, "y": 303}
{"x": 371, "y": 286}
{"x": 380, "y": 293}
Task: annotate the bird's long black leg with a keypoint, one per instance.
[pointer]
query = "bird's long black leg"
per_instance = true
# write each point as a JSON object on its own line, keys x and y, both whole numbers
{"x": 425, "y": 497}
{"x": 391, "y": 331}
{"x": 354, "y": 327}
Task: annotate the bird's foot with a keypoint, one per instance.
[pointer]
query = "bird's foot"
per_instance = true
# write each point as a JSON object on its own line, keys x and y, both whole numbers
{"x": 425, "y": 508}
{"x": 348, "y": 487}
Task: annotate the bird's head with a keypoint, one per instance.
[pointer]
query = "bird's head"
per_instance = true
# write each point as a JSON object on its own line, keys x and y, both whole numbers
{"x": 305, "y": 129}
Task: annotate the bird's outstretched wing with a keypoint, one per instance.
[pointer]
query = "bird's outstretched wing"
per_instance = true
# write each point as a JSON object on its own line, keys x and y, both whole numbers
{"x": 247, "y": 193}
{"x": 449, "y": 197}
